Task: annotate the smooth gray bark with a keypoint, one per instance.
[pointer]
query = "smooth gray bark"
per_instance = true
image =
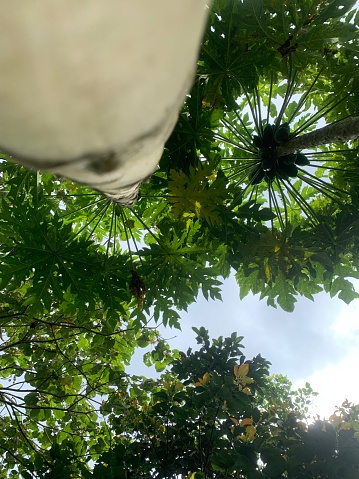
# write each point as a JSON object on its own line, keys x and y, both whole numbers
{"x": 341, "y": 131}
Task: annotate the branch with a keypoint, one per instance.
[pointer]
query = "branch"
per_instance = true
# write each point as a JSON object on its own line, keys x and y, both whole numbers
{"x": 343, "y": 130}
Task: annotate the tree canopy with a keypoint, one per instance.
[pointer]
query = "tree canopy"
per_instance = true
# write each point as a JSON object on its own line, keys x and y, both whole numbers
{"x": 84, "y": 281}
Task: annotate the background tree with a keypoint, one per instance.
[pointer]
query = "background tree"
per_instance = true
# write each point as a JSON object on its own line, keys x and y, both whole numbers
{"x": 211, "y": 414}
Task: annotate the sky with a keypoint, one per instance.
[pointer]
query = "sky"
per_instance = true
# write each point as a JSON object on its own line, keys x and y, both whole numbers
{"x": 317, "y": 343}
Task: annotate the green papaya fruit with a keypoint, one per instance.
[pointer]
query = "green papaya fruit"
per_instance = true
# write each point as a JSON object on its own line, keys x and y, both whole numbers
{"x": 257, "y": 142}
{"x": 288, "y": 159}
{"x": 282, "y": 135}
{"x": 264, "y": 153}
{"x": 268, "y": 164}
{"x": 301, "y": 160}
{"x": 268, "y": 136}
{"x": 288, "y": 170}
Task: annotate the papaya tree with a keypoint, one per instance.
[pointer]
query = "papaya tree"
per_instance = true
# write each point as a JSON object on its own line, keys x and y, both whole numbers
{"x": 268, "y": 73}
{"x": 237, "y": 187}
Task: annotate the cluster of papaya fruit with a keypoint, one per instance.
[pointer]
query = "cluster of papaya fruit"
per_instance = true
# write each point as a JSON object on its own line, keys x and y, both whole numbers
{"x": 269, "y": 165}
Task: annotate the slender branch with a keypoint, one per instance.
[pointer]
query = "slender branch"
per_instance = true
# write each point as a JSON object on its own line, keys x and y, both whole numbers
{"x": 17, "y": 458}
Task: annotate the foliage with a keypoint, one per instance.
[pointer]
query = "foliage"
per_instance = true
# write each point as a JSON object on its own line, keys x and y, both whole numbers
{"x": 265, "y": 68}
{"x": 85, "y": 282}
{"x": 213, "y": 413}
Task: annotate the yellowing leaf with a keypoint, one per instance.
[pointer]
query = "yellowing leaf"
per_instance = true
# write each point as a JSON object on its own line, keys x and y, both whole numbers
{"x": 345, "y": 426}
{"x": 213, "y": 97}
{"x": 246, "y": 391}
{"x": 250, "y": 432}
{"x": 267, "y": 271}
{"x": 206, "y": 378}
{"x": 213, "y": 176}
{"x": 242, "y": 370}
{"x": 193, "y": 475}
{"x": 233, "y": 419}
{"x": 66, "y": 382}
{"x": 196, "y": 195}
{"x": 247, "y": 380}
{"x": 249, "y": 435}
{"x": 246, "y": 422}
{"x": 335, "y": 420}
{"x": 188, "y": 217}
{"x": 203, "y": 381}
{"x": 198, "y": 207}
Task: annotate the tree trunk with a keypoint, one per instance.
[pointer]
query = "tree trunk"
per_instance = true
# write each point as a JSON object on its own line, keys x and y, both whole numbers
{"x": 344, "y": 130}
{"x": 92, "y": 89}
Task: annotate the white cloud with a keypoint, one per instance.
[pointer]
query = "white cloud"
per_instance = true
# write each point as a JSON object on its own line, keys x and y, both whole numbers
{"x": 338, "y": 381}
{"x": 318, "y": 342}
